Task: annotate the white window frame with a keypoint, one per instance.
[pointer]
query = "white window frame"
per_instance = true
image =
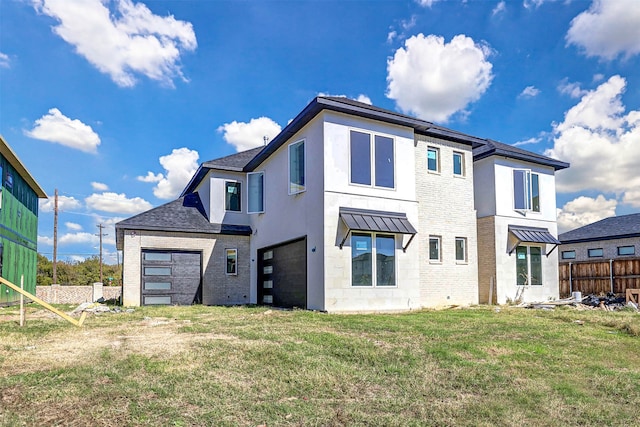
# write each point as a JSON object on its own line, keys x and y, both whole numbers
{"x": 439, "y": 240}
{"x": 374, "y": 266}
{"x": 437, "y": 151}
{"x": 464, "y": 248}
{"x": 302, "y": 188}
{"x": 234, "y": 253}
{"x": 462, "y": 164}
{"x": 372, "y": 159}
{"x": 528, "y": 191}
{"x": 229, "y": 181}
{"x": 249, "y": 192}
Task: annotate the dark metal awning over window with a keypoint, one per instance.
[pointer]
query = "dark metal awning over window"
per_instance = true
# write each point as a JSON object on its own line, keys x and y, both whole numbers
{"x": 521, "y": 234}
{"x": 377, "y": 222}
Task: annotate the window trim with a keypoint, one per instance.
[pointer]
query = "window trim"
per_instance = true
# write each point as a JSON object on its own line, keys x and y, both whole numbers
{"x": 462, "y": 173}
{"x": 303, "y": 186}
{"x": 374, "y": 266}
{"x": 464, "y": 248}
{"x": 573, "y": 251}
{"x": 626, "y": 246}
{"x": 595, "y": 256}
{"x": 234, "y": 253}
{"x": 372, "y": 159}
{"x": 437, "y": 151}
{"x": 226, "y": 191}
{"x": 439, "y": 241}
{"x": 249, "y": 193}
{"x": 528, "y": 196}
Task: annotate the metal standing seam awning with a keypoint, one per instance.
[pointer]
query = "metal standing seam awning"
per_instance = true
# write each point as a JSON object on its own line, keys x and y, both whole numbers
{"x": 524, "y": 234}
{"x": 376, "y": 221}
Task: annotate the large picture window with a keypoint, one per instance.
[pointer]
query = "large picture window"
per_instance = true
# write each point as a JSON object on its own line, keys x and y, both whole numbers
{"x": 232, "y": 196}
{"x": 363, "y": 167}
{"x": 526, "y": 190}
{"x": 529, "y": 265}
{"x": 296, "y": 167}
{"x": 255, "y": 184}
{"x": 364, "y": 248}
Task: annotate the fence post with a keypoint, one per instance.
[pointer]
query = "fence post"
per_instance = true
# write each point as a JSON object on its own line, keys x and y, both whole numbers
{"x": 611, "y": 274}
{"x": 570, "y": 279}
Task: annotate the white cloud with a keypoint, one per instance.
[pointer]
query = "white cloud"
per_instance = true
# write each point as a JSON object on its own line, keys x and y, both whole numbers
{"x": 45, "y": 241}
{"x": 530, "y": 141}
{"x": 73, "y": 226}
{"x": 360, "y": 98}
{"x": 65, "y": 203}
{"x": 57, "y": 128}
{"x": 529, "y": 92}
{"x": 99, "y": 186}
{"x": 585, "y": 210}
{"x": 434, "y": 80}
{"x": 4, "y": 60}
{"x": 426, "y": 3}
{"x": 80, "y": 237}
{"x": 608, "y": 29}
{"x": 179, "y": 166}
{"x": 500, "y": 8}
{"x": 126, "y": 41}
{"x": 117, "y": 203}
{"x": 244, "y": 136}
{"x": 601, "y": 142}
{"x": 572, "y": 89}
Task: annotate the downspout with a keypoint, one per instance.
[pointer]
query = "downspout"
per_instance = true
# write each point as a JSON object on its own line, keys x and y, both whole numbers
{"x": 570, "y": 278}
{"x": 611, "y": 274}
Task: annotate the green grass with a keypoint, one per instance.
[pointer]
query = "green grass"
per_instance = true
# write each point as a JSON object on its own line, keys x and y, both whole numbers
{"x": 185, "y": 366}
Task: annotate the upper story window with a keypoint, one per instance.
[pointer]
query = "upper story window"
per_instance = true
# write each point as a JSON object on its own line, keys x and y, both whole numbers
{"x": 568, "y": 254}
{"x": 255, "y": 185}
{"x": 461, "y": 249}
{"x": 434, "y": 248}
{"x": 433, "y": 159}
{"x": 626, "y": 250}
{"x": 595, "y": 253}
{"x": 458, "y": 164}
{"x": 364, "y": 166}
{"x": 526, "y": 190}
{"x": 297, "y": 182}
{"x": 232, "y": 196}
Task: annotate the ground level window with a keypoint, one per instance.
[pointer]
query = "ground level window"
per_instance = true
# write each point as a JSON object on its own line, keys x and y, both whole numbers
{"x": 626, "y": 250}
{"x": 434, "y": 248}
{"x": 232, "y": 261}
{"x": 529, "y": 265}
{"x": 595, "y": 253}
{"x": 364, "y": 247}
{"x": 461, "y": 249}
{"x": 568, "y": 254}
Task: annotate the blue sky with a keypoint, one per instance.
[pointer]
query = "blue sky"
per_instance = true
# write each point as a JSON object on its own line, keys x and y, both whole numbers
{"x": 115, "y": 103}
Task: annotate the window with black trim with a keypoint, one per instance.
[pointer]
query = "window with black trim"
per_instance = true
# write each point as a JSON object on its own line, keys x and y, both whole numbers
{"x": 369, "y": 161}
{"x": 365, "y": 247}
{"x": 568, "y": 254}
{"x": 232, "y": 196}
{"x": 595, "y": 253}
{"x": 297, "y": 167}
{"x": 626, "y": 250}
{"x": 232, "y": 261}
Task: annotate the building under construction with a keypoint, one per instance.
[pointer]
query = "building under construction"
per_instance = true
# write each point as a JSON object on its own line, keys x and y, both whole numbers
{"x": 19, "y": 194}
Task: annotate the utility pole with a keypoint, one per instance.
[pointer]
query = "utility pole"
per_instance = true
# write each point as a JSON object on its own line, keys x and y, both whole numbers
{"x": 100, "y": 226}
{"x": 55, "y": 237}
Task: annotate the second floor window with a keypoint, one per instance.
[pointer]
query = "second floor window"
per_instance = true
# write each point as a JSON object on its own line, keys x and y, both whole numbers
{"x": 458, "y": 164}
{"x": 364, "y": 166}
{"x": 232, "y": 196}
{"x": 296, "y": 167}
{"x": 433, "y": 158}
{"x": 526, "y": 190}
{"x": 255, "y": 185}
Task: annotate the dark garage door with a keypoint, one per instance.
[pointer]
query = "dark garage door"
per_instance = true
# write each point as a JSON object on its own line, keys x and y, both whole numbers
{"x": 282, "y": 275}
{"x": 171, "y": 277}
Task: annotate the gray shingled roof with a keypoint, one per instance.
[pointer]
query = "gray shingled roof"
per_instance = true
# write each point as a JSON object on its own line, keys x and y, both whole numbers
{"x": 234, "y": 162}
{"x": 615, "y": 227}
{"x": 491, "y": 148}
{"x": 185, "y": 214}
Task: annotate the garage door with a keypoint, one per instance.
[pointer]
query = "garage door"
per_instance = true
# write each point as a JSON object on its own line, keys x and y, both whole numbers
{"x": 282, "y": 275}
{"x": 171, "y": 277}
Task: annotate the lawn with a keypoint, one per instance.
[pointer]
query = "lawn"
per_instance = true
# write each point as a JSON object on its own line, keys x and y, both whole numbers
{"x": 185, "y": 366}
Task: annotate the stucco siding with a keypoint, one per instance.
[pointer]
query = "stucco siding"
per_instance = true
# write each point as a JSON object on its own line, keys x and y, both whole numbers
{"x": 446, "y": 210}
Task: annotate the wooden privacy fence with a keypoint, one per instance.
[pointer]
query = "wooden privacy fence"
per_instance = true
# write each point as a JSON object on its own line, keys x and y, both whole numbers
{"x": 599, "y": 277}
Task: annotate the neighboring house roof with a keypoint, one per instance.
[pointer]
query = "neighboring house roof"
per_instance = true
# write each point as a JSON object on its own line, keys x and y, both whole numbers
{"x": 495, "y": 148}
{"x": 186, "y": 215}
{"x": 615, "y": 227}
{"x": 14, "y": 161}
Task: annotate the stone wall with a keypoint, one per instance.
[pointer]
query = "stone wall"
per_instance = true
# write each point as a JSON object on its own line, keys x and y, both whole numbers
{"x": 57, "y": 294}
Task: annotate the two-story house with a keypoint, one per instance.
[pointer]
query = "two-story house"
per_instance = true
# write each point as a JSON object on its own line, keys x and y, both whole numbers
{"x": 350, "y": 208}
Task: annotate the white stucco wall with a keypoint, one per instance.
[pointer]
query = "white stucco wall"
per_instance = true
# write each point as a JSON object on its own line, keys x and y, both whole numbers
{"x": 215, "y": 183}
{"x": 341, "y": 296}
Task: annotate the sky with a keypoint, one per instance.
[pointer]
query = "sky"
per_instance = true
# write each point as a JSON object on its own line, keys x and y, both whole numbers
{"x": 115, "y": 103}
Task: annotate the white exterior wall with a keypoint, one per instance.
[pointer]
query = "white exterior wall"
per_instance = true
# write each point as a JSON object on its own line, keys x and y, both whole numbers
{"x": 500, "y": 177}
{"x": 287, "y": 217}
{"x": 218, "y": 288}
{"x": 213, "y": 189}
{"x": 340, "y": 295}
{"x": 447, "y": 211}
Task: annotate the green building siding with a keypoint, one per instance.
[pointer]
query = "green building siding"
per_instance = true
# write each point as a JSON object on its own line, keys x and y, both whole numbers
{"x": 18, "y": 233}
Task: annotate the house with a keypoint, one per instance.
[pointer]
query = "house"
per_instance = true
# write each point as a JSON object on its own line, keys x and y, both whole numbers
{"x": 611, "y": 238}
{"x": 350, "y": 208}
{"x": 19, "y": 194}
{"x": 515, "y": 198}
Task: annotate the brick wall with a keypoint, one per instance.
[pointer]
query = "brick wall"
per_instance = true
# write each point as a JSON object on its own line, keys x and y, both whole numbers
{"x": 486, "y": 258}
{"x": 446, "y": 209}
{"x": 57, "y": 294}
